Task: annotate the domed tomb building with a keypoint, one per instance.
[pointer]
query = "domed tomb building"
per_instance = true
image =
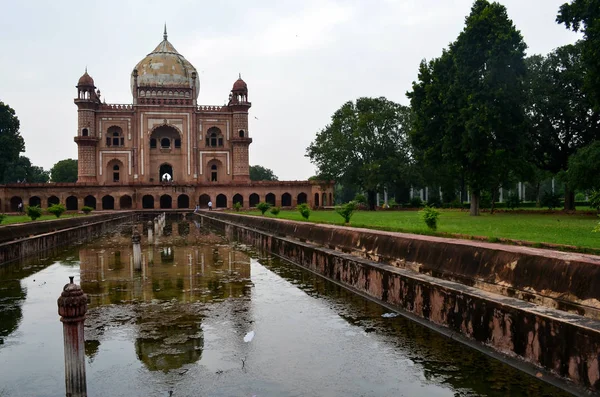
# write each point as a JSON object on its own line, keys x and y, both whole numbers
{"x": 164, "y": 150}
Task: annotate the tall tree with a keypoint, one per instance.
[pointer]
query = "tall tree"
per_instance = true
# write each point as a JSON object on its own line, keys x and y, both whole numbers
{"x": 64, "y": 171}
{"x": 365, "y": 145}
{"x": 468, "y": 103}
{"x": 11, "y": 141}
{"x": 561, "y": 116}
{"x": 584, "y": 167}
{"x": 260, "y": 173}
{"x": 584, "y": 16}
{"x": 22, "y": 170}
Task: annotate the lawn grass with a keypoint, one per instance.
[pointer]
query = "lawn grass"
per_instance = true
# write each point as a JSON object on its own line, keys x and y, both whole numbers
{"x": 24, "y": 218}
{"x": 553, "y": 228}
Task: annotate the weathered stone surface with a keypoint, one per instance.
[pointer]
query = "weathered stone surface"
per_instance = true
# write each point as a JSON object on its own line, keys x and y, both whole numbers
{"x": 565, "y": 343}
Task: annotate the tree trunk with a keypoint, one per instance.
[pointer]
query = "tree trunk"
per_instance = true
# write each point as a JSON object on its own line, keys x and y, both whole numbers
{"x": 569, "y": 199}
{"x": 538, "y": 200}
{"x": 475, "y": 196}
{"x": 371, "y": 196}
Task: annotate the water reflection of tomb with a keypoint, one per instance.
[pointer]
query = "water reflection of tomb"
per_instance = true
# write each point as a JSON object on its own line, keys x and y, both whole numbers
{"x": 187, "y": 273}
{"x": 169, "y": 292}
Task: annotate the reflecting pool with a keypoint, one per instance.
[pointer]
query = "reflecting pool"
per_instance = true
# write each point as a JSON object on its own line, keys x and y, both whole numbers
{"x": 205, "y": 317}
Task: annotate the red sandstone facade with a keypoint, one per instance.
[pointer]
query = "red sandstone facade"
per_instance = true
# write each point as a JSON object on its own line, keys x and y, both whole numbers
{"x": 163, "y": 150}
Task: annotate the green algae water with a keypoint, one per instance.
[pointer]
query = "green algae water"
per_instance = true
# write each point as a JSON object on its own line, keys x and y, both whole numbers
{"x": 205, "y": 317}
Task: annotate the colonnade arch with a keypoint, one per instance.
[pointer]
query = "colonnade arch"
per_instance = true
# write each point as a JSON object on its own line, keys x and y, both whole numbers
{"x": 238, "y": 198}
{"x": 72, "y": 203}
{"x": 125, "y": 202}
{"x": 89, "y": 201}
{"x": 221, "y": 201}
{"x": 286, "y": 200}
{"x": 108, "y": 202}
{"x": 203, "y": 200}
{"x": 254, "y": 200}
{"x": 183, "y": 201}
{"x": 148, "y": 202}
{"x": 166, "y": 201}
{"x": 35, "y": 200}
{"x": 53, "y": 200}
{"x": 14, "y": 203}
{"x": 270, "y": 198}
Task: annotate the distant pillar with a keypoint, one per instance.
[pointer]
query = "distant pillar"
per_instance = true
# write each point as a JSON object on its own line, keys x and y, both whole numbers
{"x": 150, "y": 226}
{"x": 377, "y": 200}
{"x": 426, "y": 198}
{"x": 411, "y": 192}
{"x": 552, "y": 185}
{"x": 385, "y": 198}
{"x": 72, "y": 306}
{"x": 137, "y": 249}
{"x": 500, "y": 196}
{"x": 421, "y": 193}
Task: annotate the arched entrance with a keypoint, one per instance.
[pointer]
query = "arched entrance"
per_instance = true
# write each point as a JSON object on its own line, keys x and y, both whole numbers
{"x": 316, "y": 200}
{"x": 165, "y": 173}
{"x": 215, "y": 171}
{"x": 183, "y": 201}
{"x": 35, "y": 200}
{"x": 72, "y": 204}
{"x": 221, "y": 201}
{"x": 302, "y": 198}
{"x": 116, "y": 172}
{"x": 253, "y": 200}
{"x": 270, "y": 198}
{"x": 53, "y": 200}
{"x": 89, "y": 201}
{"x": 238, "y": 198}
{"x": 148, "y": 201}
{"x": 330, "y": 199}
{"x": 286, "y": 200}
{"x": 324, "y": 199}
{"x": 14, "y": 203}
{"x": 125, "y": 202}
{"x": 203, "y": 201}
{"x": 108, "y": 202}
{"x": 166, "y": 201}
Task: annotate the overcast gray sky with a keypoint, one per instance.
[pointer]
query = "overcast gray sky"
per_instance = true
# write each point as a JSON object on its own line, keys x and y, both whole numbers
{"x": 302, "y": 59}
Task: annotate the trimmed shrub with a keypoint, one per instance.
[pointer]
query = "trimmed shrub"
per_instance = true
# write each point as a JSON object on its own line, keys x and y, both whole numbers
{"x": 304, "y": 210}
{"x": 347, "y": 210}
{"x": 513, "y": 201}
{"x": 430, "y": 216}
{"x": 86, "y": 210}
{"x": 34, "y": 212}
{"x": 263, "y": 207}
{"x": 275, "y": 210}
{"x": 57, "y": 210}
{"x": 360, "y": 199}
{"x": 580, "y": 197}
{"x": 2, "y": 217}
{"x": 237, "y": 206}
{"x": 416, "y": 202}
{"x": 550, "y": 200}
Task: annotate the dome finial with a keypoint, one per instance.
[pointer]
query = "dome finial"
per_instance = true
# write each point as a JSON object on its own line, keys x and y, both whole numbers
{"x": 86, "y": 68}
{"x": 240, "y": 76}
{"x": 165, "y": 32}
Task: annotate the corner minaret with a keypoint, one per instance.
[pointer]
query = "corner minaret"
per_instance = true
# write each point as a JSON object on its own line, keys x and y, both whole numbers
{"x": 239, "y": 105}
{"x": 87, "y": 102}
